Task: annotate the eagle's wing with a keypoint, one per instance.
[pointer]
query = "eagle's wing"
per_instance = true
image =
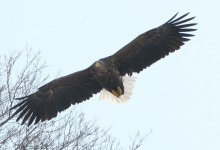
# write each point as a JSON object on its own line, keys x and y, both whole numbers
{"x": 56, "y": 96}
{"x": 153, "y": 45}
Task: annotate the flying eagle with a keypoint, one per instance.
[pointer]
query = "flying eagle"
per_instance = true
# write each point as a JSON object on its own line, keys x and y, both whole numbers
{"x": 107, "y": 74}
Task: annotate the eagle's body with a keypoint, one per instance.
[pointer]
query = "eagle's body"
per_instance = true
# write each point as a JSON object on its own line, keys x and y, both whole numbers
{"x": 106, "y": 74}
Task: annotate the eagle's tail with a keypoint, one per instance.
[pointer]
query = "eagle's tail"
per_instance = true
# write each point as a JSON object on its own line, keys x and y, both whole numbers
{"x": 128, "y": 83}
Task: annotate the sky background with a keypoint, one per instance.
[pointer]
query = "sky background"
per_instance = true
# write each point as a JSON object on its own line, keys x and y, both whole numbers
{"x": 178, "y": 97}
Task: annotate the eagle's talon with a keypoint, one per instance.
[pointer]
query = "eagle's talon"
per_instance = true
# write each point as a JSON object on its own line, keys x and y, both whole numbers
{"x": 119, "y": 90}
{"x": 115, "y": 93}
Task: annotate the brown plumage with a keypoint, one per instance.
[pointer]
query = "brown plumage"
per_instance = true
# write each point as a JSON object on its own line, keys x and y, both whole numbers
{"x": 107, "y": 73}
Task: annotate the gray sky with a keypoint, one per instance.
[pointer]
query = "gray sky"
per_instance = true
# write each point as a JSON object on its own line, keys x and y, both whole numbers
{"x": 178, "y": 97}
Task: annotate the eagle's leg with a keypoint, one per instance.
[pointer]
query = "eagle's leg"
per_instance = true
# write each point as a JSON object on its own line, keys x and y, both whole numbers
{"x": 114, "y": 93}
{"x": 119, "y": 90}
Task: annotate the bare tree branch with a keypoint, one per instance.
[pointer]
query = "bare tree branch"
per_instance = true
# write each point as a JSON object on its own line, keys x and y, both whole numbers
{"x": 138, "y": 140}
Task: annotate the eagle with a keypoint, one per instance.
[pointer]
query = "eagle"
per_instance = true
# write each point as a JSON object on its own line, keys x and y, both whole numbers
{"x": 111, "y": 75}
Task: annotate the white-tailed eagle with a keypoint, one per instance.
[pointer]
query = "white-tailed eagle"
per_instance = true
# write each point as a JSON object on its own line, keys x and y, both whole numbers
{"x": 106, "y": 74}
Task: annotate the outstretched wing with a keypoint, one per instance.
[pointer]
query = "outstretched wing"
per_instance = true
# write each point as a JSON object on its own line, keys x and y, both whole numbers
{"x": 153, "y": 45}
{"x": 56, "y": 96}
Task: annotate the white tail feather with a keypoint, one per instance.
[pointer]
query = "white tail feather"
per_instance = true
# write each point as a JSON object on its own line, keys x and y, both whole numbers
{"x": 128, "y": 83}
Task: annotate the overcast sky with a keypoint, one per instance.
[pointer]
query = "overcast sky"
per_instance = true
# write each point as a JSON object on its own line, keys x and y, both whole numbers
{"x": 177, "y": 97}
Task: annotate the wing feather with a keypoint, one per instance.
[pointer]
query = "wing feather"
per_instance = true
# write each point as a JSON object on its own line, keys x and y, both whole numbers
{"x": 153, "y": 45}
{"x": 56, "y": 96}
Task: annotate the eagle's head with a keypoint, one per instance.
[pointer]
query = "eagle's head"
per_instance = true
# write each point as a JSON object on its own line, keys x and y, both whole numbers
{"x": 99, "y": 64}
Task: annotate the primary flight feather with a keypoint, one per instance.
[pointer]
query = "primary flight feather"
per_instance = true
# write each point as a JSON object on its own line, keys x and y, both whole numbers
{"x": 106, "y": 74}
